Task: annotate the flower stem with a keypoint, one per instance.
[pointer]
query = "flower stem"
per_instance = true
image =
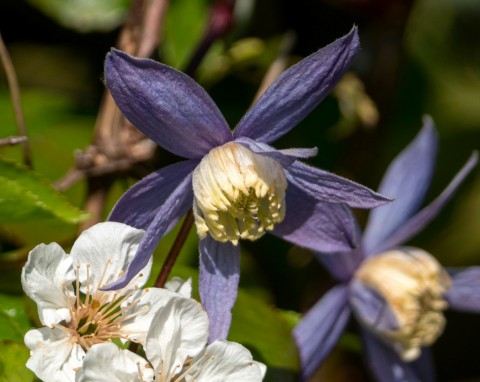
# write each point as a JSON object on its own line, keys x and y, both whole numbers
{"x": 175, "y": 250}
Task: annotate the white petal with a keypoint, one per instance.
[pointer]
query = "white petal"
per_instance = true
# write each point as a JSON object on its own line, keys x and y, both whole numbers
{"x": 108, "y": 248}
{"x": 180, "y": 286}
{"x": 178, "y": 331}
{"x": 47, "y": 279}
{"x": 224, "y": 361}
{"x": 107, "y": 363}
{"x": 54, "y": 357}
{"x": 143, "y": 307}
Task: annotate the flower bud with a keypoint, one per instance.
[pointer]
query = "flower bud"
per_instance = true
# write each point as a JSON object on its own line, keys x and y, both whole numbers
{"x": 410, "y": 285}
{"x": 237, "y": 194}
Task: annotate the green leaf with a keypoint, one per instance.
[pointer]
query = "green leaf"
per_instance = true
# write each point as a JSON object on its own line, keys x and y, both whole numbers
{"x": 264, "y": 330}
{"x": 13, "y": 357}
{"x": 25, "y": 195}
{"x": 14, "y": 322}
{"x": 85, "y": 15}
{"x": 184, "y": 27}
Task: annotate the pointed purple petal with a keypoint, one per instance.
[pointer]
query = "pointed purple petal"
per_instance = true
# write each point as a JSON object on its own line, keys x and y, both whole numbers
{"x": 327, "y": 187}
{"x": 464, "y": 294}
{"x": 341, "y": 265}
{"x": 218, "y": 284}
{"x": 386, "y": 366}
{"x": 426, "y": 215}
{"x": 139, "y": 205}
{"x": 406, "y": 180}
{"x": 285, "y": 157}
{"x": 370, "y": 307}
{"x": 166, "y": 105}
{"x": 322, "y": 227}
{"x": 174, "y": 207}
{"x": 319, "y": 330}
{"x": 298, "y": 90}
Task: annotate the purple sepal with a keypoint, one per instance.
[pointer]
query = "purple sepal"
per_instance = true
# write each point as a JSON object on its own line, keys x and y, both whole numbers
{"x": 175, "y": 206}
{"x": 386, "y": 366}
{"x": 327, "y": 187}
{"x": 321, "y": 227}
{"x": 319, "y": 330}
{"x": 294, "y": 94}
{"x": 464, "y": 294}
{"x": 341, "y": 265}
{"x": 370, "y": 308}
{"x": 406, "y": 180}
{"x": 139, "y": 205}
{"x": 427, "y": 214}
{"x": 284, "y": 157}
{"x": 166, "y": 105}
{"x": 218, "y": 284}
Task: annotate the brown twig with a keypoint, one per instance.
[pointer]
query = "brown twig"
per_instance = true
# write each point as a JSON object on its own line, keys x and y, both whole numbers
{"x": 175, "y": 250}
{"x": 11, "y": 141}
{"x": 16, "y": 101}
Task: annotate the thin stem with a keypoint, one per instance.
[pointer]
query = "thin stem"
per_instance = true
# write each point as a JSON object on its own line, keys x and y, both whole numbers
{"x": 17, "y": 105}
{"x": 11, "y": 141}
{"x": 175, "y": 250}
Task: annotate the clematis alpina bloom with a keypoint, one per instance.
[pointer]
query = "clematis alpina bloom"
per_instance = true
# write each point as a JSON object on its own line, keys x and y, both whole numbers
{"x": 176, "y": 351}
{"x": 76, "y": 313}
{"x": 398, "y": 294}
{"x": 238, "y": 186}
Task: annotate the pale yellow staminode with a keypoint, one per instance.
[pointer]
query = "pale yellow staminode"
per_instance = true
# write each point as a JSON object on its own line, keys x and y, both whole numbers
{"x": 413, "y": 283}
{"x": 238, "y": 194}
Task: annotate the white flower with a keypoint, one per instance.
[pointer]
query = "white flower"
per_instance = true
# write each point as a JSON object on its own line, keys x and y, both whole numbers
{"x": 175, "y": 351}
{"x": 76, "y": 313}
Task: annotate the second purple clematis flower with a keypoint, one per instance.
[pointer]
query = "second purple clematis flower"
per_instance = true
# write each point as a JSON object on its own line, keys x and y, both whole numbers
{"x": 397, "y": 294}
{"x": 234, "y": 181}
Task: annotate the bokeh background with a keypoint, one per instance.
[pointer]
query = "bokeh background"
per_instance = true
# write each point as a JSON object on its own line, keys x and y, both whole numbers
{"x": 417, "y": 57}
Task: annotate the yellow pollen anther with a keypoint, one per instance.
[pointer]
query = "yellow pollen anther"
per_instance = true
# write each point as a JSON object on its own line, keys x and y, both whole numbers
{"x": 238, "y": 194}
{"x": 413, "y": 284}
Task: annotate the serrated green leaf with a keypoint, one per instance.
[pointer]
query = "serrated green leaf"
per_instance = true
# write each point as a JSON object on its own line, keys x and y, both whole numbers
{"x": 25, "y": 195}
{"x": 13, "y": 357}
{"x": 14, "y": 322}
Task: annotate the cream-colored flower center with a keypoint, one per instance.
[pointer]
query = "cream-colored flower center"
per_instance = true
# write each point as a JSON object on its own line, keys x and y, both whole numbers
{"x": 238, "y": 194}
{"x": 413, "y": 284}
{"x": 97, "y": 316}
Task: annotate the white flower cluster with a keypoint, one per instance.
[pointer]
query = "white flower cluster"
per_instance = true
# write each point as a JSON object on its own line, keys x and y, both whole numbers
{"x": 86, "y": 329}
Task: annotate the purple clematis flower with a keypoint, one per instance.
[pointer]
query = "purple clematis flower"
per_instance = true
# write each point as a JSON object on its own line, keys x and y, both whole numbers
{"x": 397, "y": 294}
{"x": 234, "y": 181}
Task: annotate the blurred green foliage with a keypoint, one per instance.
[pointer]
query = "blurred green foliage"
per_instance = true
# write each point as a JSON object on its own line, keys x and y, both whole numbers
{"x": 417, "y": 57}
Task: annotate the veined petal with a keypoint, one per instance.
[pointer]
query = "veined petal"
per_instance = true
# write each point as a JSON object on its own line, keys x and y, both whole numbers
{"x": 180, "y": 286}
{"x": 178, "y": 331}
{"x": 319, "y": 330}
{"x": 218, "y": 284}
{"x": 407, "y": 180}
{"x": 286, "y": 157}
{"x": 318, "y": 226}
{"x": 464, "y": 294}
{"x": 54, "y": 356}
{"x": 330, "y": 188}
{"x": 415, "y": 224}
{"x": 107, "y": 248}
{"x": 386, "y": 366}
{"x": 224, "y": 361}
{"x": 123, "y": 365}
{"x": 176, "y": 205}
{"x": 166, "y": 105}
{"x": 298, "y": 90}
{"x": 46, "y": 279}
{"x": 139, "y": 205}
{"x": 139, "y": 315}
